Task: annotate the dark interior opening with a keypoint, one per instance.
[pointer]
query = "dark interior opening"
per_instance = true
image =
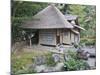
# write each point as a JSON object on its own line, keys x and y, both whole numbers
{"x": 35, "y": 39}
{"x": 48, "y": 45}
{"x": 57, "y": 39}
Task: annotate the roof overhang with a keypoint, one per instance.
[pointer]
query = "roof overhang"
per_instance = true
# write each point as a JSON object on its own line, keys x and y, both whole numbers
{"x": 76, "y": 32}
{"x": 78, "y": 27}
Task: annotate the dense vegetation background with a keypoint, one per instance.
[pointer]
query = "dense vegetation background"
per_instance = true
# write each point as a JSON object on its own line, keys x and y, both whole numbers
{"x": 22, "y": 11}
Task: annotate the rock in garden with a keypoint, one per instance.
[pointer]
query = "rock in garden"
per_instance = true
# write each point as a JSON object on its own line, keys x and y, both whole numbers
{"x": 39, "y": 60}
{"x": 50, "y": 69}
{"x": 56, "y": 57}
{"x": 59, "y": 67}
{"x": 40, "y": 68}
{"x": 83, "y": 55}
{"x": 66, "y": 57}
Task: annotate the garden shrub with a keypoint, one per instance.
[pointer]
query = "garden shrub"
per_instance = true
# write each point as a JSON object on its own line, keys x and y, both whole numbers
{"x": 50, "y": 60}
{"x": 72, "y": 54}
{"x": 88, "y": 41}
{"x": 72, "y": 65}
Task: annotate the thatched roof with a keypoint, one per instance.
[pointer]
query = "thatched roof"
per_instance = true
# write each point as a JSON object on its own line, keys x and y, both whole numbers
{"x": 48, "y": 18}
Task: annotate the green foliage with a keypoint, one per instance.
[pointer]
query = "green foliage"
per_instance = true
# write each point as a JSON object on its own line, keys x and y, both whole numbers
{"x": 22, "y": 11}
{"x": 25, "y": 71}
{"x": 16, "y": 30}
{"x": 49, "y": 60}
{"x": 72, "y": 54}
{"x": 86, "y": 41}
{"x": 26, "y": 9}
{"x": 86, "y": 15}
{"x": 73, "y": 64}
{"x": 20, "y": 62}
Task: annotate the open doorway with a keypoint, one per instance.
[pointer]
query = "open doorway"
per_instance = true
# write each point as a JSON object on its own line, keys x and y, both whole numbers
{"x": 58, "y": 36}
{"x": 35, "y": 39}
{"x": 57, "y": 39}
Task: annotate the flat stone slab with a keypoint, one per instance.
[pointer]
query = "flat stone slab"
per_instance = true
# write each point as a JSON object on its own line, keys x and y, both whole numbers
{"x": 44, "y": 68}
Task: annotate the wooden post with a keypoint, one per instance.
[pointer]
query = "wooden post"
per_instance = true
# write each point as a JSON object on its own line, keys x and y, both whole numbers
{"x": 30, "y": 42}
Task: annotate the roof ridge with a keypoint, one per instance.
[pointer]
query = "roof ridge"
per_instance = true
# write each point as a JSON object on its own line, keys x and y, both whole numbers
{"x": 62, "y": 17}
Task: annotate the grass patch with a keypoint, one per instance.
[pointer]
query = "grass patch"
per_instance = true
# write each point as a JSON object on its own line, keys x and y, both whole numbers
{"x": 20, "y": 60}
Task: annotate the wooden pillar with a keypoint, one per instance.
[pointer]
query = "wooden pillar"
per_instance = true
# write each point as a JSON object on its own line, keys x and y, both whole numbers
{"x": 30, "y": 42}
{"x": 61, "y": 36}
